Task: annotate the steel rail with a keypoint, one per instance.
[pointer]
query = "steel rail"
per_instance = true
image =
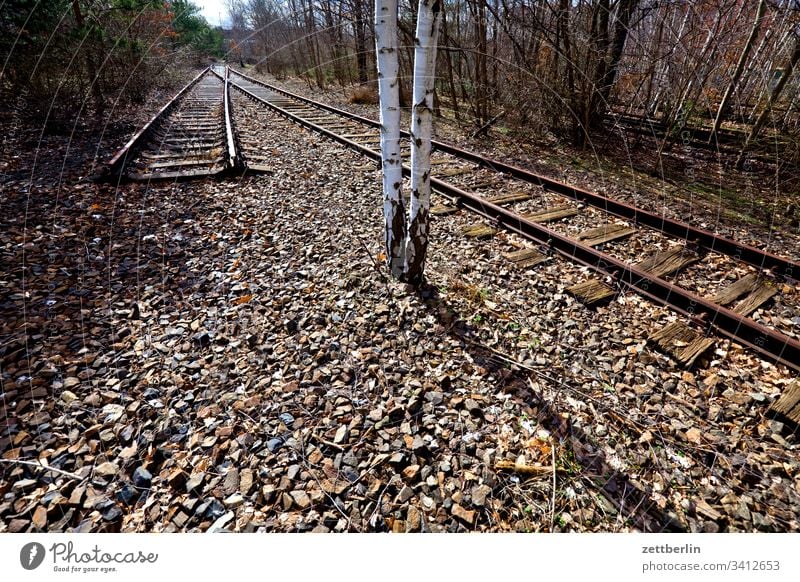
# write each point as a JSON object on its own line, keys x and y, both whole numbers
{"x": 758, "y": 258}
{"x": 770, "y": 343}
{"x": 233, "y": 158}
{"x": 115, "y": 165}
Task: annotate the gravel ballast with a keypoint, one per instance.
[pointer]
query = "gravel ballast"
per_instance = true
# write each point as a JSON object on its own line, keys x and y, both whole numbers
{"x": 229, "y": 355}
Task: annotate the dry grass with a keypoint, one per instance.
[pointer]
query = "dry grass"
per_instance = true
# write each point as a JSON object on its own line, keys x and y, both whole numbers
{"x": 363, "y": 96}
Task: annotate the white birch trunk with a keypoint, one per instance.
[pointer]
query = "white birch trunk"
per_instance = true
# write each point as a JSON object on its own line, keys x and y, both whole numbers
{"x": 389, "y": 93}
{"x": 428, "y": 21}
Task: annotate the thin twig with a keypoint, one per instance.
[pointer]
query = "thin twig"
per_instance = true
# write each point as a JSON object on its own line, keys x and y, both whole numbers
{"x": 41, "y": 466}
{"x": 375, "y": 264}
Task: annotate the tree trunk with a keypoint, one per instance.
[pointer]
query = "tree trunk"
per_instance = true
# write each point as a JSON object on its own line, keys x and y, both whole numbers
{"x": 481, "y": 83}
{"x": 428, "y": 21}
{"x": 565, "y": 55}
{"x": 91, "y": 69}
{"x": 389, "y": 95}
{"x": 623, "y": 19}
{"x": 683, "y": 109}
{"x": 449, "y": 60}
{"x": 748, "y": 46}
{"x": 361, "y": 42}
{"x": 596, "y": 63}
{"x": 773, "y": 97}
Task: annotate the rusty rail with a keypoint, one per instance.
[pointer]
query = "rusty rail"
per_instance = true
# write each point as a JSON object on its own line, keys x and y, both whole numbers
{"x": 115, "y": 165}
{"x": 770, "y": 343}
{"x": 703, "y": 238}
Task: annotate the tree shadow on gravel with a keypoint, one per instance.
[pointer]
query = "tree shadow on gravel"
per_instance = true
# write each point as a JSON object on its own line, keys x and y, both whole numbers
{"x": 630, "y": 502}
{"x": 71, "y": 316}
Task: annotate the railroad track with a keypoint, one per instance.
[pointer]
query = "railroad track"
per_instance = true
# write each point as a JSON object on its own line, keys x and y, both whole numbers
{"x": 575, "y": 223}
{"x": 623, "y": 246}
{"x": 191, "y": 136}
{"x": 727, "y": 141}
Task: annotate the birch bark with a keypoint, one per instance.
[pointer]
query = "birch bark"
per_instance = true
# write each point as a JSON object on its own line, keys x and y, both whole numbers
{"x": 428, "y": 23}
{"x": 389, "y": 96}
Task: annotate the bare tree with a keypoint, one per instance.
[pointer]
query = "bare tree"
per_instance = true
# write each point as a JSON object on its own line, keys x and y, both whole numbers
{"x": 737, "y": 73}
{"x": 389, "y": 94}
{"x": 774, "y": 95}
{"x": 428, "y": 22}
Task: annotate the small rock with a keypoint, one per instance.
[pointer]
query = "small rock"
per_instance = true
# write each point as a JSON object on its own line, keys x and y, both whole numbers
{"x": 334, "y": 487}
{"x": 341, "y": 434}
{"x": 126, "y": 494}
{"x": 18, "y": 525}
{"x": 234, "y": 501}
{"x": 106, "y": 469}
{"x": 464, "y": 515}
{"x": 743, "y": 512}
{"x": 472, "y": 407}
{"x": 301, "y": 499}
{"x": 71, "y": 382}
{"x": 40, "y": 517}
{"x": 113, "y": 513}
{"x": 142, "y": 478}
{"x": 180, "y": 519}
{"x": 220, "y": 523}
{"x": 246, "y": 481}
{"x": 479, "y": 494}
{"x": 195, "y": 482}
{"x": 274, "y": 445}
{"x": 231, "y": 483}
{"x": 176, "y": 478}
{"x": 434, "y": 398}
{"x": 411, "y": 472}
{"x": 694, "y": 435}
{"x": 112, "y": 413}
{"x": 68, "y": 397}
{"x": 413, "y": 519}
{"x": 24, "y": 485}
{"x": 215, "y": 509}
{"x": 405, "y": 494}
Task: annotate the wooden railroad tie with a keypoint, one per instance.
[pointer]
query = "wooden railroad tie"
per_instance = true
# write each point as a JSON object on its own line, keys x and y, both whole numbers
{"x": 478, "y": 230}
{"x": 667, "y": 262}
{"x": 606, "y": 233}
{"x": 757, "y": 290}
{"x": 551, "y": 214}
{"x": 592, "y": 291}
{"x": 449, "y": 173}
{"x": 168, "y": 175}
{"x": 184, "y": 163}
{"x": 681, "y": 342}
{"x": 358, "y": 135}
{"x": 788, "y": 405}
{"x": 525, "y": 258}
{"x": 489, "y": 183}
{"x": 260, "y": 168}
{"x": 509, "y": 198}
{"x": 443, "y": 210}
